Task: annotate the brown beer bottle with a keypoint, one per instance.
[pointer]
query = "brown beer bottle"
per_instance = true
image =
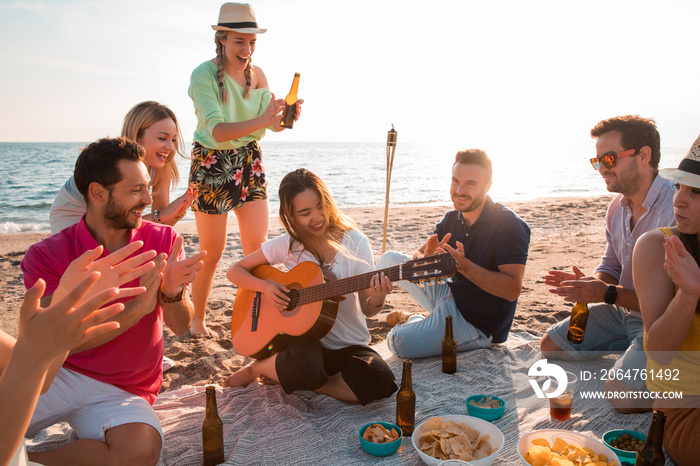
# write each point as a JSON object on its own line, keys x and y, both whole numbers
{"x": 652, "y": 453}
{"x": 449, "y": 349}
{"x": 577, "y": 323}
{"x": 212, "y": 432}
{"x": 290, "y": 104}
{"x": 406, "y": 401}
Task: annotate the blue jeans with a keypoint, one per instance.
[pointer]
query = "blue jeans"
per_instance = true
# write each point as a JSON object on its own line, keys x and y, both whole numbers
{"x": 422, "y": 336}
{"x": 609, "y": 330}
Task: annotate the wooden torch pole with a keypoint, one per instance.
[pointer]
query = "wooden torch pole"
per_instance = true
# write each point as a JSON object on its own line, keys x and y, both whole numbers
{"x": 390, "y": 151}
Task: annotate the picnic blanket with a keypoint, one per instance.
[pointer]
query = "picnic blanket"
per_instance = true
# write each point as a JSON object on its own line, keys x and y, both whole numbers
{"x": 265, "y": 426}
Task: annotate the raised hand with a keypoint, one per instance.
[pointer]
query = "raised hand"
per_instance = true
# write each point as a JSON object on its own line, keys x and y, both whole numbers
{"x": 433, "y": 246}
{"x": 680, "y": 266}
{"x": 178, "y": 273}
{"x": 65, "y": 324}
{"x": 178, "y": 208}
{"x": 272, "y": 113}
{"x": 115, "y": 270}
{"x": 556, "y": 277}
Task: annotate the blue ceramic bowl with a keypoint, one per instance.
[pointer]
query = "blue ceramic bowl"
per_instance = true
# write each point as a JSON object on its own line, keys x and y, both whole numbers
{"x": 626, "y": 457}
{"x": 487, "y": 414}
{"x": 381, "y": 449}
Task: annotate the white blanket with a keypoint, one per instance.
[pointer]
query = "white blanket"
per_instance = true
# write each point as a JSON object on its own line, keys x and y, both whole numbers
{"x": 265, "y": 426}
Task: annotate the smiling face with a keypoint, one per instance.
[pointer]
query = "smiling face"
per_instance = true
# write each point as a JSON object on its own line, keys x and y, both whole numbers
{"x": 470, "y": 183}
{"x": 309, "y": 214}
{"x": 159, "y": 140}
{"x": 624, "y": 177}
{"x": 129, "y": 197}
{"x": 238, "y": 49}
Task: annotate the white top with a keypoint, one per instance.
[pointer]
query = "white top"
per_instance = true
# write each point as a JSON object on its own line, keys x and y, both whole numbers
{"x": 355, "y": 258}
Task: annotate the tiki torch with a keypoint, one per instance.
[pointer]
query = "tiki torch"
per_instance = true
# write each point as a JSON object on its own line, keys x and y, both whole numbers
{"x": 390, "y": 151}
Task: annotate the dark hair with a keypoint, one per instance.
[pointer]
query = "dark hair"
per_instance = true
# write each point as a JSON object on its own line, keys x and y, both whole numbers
{"x": 297, "y": 182}
{"x": 637, "y": 132}
{"x": 97, "y": 163}
{"x": 475, "y": 157}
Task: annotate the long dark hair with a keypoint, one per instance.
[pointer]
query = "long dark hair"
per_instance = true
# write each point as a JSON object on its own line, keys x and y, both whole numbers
{"x": 297, "y": 182}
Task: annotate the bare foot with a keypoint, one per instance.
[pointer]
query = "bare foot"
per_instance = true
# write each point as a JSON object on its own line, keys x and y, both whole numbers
{"x": 199, "y": 330}
{"x": 396, "y": 317}
{"x": 242, "y": 377}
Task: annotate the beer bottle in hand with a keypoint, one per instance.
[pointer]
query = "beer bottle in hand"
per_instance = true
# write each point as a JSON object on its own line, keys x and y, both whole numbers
{"x": 449, "y": 349}
{"x": 212, "y": 432}
{"x": 652, "y": 453}
{"x": 577, "y": 323}
{"x": 406, "y": 402}
{"x": 290, "y": 105}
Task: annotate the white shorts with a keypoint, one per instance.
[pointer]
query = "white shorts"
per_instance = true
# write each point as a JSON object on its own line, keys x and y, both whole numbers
{"x": 90, "y": 407}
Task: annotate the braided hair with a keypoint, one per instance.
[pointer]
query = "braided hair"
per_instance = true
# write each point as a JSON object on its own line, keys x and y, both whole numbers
{"x": 219, "y": 37}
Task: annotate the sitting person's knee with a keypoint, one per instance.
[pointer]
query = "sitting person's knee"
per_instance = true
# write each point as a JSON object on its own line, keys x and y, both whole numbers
{"x": 389, "y": 259}
{"x": 138, "y": 444}
{"x": 550, "y": 349}
{"x": 623, "y": 397}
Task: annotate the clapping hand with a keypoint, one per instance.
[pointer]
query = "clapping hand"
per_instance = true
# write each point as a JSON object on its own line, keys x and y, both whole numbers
{"x": 178, "y": 273}
{"x": 115, "y": 270}
{"x": 681, "y": 267}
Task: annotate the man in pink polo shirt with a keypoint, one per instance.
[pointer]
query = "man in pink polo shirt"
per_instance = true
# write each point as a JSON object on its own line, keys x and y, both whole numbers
{"x": 106, "y": 387}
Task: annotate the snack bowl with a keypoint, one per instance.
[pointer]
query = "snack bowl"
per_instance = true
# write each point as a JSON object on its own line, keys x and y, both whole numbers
{"x": 496, "y": 439}
{"x": 487, "y": 414}
{"x": 626, "y": 457}
{"x": 381, "y": 449}
{"x": 568, "y": 436}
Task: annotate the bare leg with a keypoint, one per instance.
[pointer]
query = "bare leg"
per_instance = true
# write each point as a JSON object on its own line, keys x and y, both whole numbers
{"x": 253, "y": 224}
{"x": 337, "y": 388}
{"x": 247, "y": 374}
{"x": 628, "y": 404}
{"x": 134, "y": 443}
{"x": 211, "y": 230}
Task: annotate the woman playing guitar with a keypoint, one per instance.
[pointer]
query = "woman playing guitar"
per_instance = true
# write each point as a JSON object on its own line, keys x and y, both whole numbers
{"x": 341, "y": 364}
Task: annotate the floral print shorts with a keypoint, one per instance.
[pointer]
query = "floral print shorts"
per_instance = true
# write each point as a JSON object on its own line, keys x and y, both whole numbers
{"x": 226, "y": 179}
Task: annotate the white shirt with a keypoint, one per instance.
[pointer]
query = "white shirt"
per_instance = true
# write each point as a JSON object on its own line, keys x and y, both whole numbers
{"x": 355, "y": 258}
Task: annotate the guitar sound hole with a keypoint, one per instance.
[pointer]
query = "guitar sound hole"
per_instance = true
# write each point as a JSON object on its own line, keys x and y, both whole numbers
{"x": 293, "y": 299}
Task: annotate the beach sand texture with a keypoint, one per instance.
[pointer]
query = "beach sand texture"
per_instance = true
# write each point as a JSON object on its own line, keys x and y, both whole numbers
{"x": 565, "y": 232}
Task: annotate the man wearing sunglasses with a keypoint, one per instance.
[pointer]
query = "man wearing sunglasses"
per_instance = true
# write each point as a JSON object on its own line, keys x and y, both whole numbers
{"x": 627, "y": 157}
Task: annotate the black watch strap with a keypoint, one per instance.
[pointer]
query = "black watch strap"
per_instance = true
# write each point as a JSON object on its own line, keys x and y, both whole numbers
{"x": 610, "y": 295}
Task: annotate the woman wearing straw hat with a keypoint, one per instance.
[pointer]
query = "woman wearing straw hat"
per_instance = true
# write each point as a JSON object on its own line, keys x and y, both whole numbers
{"x": 667, "y": 279}
{"x": 234, "y": 107}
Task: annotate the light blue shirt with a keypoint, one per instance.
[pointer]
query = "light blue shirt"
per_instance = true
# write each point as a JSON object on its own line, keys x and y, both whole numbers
{"x": 621, "y": 238}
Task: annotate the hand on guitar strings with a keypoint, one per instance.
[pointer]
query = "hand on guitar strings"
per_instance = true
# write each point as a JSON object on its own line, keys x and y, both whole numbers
{"x": 276, "y": 292}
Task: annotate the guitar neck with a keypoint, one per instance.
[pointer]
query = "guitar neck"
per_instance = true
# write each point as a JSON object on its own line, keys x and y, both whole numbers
{"x": 345, "y": 285}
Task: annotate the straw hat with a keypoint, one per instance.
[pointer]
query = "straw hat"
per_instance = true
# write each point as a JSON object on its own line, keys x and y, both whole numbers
{"x": 688, "y": 171}
{"x": 237, "y": 17}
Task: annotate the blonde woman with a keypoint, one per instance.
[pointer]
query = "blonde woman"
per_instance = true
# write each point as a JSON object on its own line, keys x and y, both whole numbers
{"x": 155, "y": 127}
{"x": 234, "y": 107}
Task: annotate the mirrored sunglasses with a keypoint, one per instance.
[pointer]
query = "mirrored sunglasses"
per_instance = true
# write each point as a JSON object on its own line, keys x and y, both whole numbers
{"x": 609, "y": 159}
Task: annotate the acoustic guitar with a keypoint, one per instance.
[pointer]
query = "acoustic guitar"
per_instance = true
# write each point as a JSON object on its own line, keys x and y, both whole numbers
{"x": 259, "y": 330}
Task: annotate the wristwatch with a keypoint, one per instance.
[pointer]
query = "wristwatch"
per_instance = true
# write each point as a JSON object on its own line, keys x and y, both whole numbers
{"x": 174, "y": 299}
{"x": 156, "y": 216}
{"x": 610, "y": 295}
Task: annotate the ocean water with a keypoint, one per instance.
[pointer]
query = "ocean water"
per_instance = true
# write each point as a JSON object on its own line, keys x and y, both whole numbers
{"x": 356, "y": 174}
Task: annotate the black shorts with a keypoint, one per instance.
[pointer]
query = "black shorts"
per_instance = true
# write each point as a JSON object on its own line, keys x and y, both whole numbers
{"x": 306, "y": 365}
{"x": 226, "y": 179}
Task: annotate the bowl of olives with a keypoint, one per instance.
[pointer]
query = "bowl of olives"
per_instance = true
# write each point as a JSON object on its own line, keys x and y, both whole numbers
{"x": 624, "y": 443}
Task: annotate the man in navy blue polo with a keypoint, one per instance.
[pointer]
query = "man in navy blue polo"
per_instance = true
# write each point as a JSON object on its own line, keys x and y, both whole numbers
{"x": 490, "y": 244}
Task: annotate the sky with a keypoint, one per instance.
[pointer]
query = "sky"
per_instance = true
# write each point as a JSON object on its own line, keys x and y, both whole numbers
{"x": 521, "y": 76}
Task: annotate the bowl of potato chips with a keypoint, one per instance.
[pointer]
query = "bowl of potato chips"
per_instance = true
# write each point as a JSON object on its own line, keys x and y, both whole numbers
{"x": 550, "y": 447}
{"x": 488, "y": 408}
{"x": 380, "y": 438}
{"x": 465, "y": 438}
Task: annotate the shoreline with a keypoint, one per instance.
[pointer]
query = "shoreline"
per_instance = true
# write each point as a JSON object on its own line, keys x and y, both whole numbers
{"x": 566, "y": 231}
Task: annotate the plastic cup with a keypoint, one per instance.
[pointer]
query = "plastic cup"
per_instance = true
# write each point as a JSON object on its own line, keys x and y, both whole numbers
{"x": 560, "y": 407}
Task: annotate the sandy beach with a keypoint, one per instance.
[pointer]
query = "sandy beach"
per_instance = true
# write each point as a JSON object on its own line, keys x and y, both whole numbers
{"x": 565, "y": 232}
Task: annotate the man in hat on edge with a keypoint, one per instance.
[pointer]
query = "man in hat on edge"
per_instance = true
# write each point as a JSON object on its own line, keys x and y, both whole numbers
{"x": 628, "y": 151}
{"x": 490, "y": 245}
{"x": 106, "y": 387}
